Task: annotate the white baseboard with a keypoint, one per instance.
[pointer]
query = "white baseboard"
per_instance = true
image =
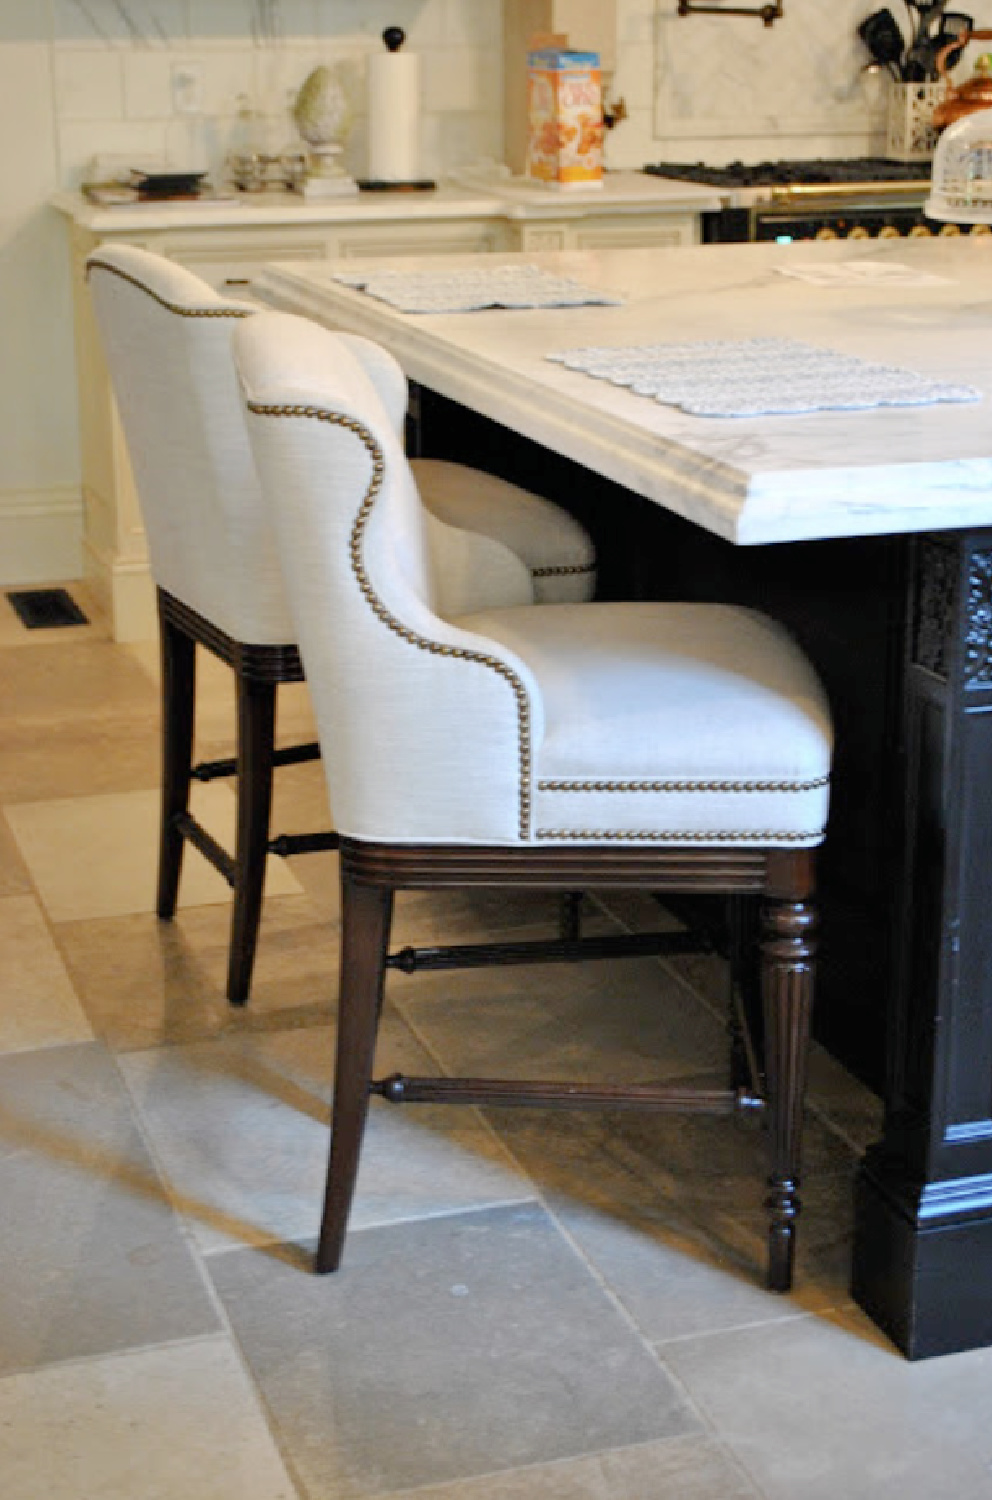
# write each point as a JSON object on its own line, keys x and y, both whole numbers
{"x": 41, "y": 535}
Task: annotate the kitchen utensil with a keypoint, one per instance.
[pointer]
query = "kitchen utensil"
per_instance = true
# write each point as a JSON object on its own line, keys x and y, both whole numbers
{"x": 953, "y": 25}
{"x": 976, "y": 93}
{"x": 881, "y": 34}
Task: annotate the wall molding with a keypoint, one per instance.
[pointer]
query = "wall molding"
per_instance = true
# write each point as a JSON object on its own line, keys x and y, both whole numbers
{"x": 41, "y": 535}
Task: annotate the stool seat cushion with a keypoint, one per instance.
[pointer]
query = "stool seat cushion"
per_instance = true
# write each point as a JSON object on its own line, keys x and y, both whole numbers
{"x": 700, "y": 723}
{"x": 556, "y": 549}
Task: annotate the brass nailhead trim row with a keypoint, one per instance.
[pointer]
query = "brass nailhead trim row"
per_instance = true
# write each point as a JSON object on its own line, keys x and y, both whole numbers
{"x": 563, "y": 570}
{"x": 676, "y": 836}
{"x": 173, "y": 307}
{"x": 382, "y": 613}
{"x": 683, "y": 786}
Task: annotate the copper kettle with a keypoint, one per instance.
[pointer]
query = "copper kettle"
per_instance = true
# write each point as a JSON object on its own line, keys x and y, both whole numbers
{"x": 970, "y": 96}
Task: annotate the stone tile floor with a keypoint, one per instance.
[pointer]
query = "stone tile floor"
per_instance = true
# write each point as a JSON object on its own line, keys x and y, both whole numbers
{"x": 532, "y": 1307}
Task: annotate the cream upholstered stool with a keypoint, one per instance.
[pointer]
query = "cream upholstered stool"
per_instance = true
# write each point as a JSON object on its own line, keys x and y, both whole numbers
{"x": 666, "y": 746}
{"x": 167, "y": 339}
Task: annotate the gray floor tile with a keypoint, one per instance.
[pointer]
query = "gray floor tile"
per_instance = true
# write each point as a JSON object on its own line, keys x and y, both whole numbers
{"x": 93, "y": 1257}
{"x": 442, "y": 1350}
{"x": 622, "y": 1020}
{"x": 670, "y": 1211}
{"x": 240, "y": 1125}
{"x": 689, "y": 1468}
{"x": 824, "y": 1407}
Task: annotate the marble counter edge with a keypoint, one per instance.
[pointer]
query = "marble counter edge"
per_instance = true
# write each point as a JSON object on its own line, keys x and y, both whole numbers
{"x": 702, "y": 490}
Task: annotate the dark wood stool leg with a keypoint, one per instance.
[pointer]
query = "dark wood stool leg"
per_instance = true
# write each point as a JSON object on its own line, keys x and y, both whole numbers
{"x": 178, "y": 657}
{"x": 256, "y": 745}
{"x": 787, "y": 949}
{"x": 366, "y": 912}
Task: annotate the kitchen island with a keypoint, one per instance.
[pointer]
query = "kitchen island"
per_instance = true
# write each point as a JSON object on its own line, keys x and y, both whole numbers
{"x": 870, "y": 532}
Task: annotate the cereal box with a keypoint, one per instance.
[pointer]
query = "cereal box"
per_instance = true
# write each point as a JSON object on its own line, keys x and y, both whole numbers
{"x": 565, "y": 106}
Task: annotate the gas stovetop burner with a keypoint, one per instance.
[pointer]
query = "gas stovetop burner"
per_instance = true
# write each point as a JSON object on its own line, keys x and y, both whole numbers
{"x": 861, "y": 169}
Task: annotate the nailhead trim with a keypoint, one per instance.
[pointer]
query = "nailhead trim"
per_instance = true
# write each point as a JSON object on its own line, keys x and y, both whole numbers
{"x": 423, "y": 643}
{"x": 676, "y": 836}
{"x": 173, "y": 307}
{"x": 683, "y": 786}
{"x": 563, "y": 570}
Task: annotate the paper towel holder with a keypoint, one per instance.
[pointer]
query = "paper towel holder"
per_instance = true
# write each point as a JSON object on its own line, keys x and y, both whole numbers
{"x": 393, "y": 38}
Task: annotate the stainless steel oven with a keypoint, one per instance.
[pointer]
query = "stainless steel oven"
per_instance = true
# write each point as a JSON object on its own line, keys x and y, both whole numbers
{"x": 849, "y": 198}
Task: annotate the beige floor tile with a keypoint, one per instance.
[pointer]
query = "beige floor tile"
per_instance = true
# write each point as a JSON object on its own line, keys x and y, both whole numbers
{"x": 824, "y": 1406}
{"x": 97, "y": 856}
{"x": 82, "y": 758}
{"x": 143, "y": 982}
{"x": 240, "y": 1124}
{"x": 687, "y": 1468}
{"x": 153, "y": 1425}
{"x": 38, "y": 1005}
{"x": 14, "y": 877}
{"x": 57, "y": 682}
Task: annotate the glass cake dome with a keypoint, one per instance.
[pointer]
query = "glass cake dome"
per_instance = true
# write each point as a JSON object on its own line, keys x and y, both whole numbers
{"x": 961, "y": 179}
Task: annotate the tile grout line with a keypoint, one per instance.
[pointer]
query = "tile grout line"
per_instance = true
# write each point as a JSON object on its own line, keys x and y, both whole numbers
{"x": 213, "y": 1296}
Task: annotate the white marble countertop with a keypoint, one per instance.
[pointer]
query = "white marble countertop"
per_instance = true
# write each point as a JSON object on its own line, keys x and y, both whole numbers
{"x": 482, "y": 197}
{"x": 751, "y": 480}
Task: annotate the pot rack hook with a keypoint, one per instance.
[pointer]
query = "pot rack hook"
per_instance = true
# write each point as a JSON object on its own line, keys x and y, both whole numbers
{"x": 768, "y": 13}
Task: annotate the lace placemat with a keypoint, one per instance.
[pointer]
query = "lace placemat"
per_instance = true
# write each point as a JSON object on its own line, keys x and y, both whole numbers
{"x": 475, "y": 289}
{"x": 759, "y": 377}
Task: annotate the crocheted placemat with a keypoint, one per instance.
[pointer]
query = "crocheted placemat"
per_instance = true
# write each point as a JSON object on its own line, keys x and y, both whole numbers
{"x": 758, "y": 377}
{"x": 473, "y": 290}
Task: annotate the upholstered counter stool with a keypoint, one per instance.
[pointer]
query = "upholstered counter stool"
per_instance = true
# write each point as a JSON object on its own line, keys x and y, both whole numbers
{"x": 167, "y": 339}
{"x": 672, "y": 747}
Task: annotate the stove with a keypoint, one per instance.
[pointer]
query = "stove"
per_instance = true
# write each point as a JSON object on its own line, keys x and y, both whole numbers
{"x": 864, "y": 197}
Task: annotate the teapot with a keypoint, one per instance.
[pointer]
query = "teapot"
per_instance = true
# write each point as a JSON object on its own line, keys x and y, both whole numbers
{"x": 967, "y": 97}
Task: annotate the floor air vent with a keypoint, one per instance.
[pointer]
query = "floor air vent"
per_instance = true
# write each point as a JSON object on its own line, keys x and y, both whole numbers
{"x": 45, "y": 609}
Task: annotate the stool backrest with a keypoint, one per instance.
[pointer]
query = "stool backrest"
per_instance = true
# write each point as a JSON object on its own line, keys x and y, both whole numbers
{"x": 426, "y": 728}
{"x": 167, "y": 339}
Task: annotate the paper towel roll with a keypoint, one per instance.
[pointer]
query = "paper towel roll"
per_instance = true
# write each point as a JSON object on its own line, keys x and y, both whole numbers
{"x": 394, "y": 116}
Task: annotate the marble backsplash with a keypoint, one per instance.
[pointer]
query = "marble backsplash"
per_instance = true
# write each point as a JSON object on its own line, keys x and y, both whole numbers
{"x": 719, "y": 88}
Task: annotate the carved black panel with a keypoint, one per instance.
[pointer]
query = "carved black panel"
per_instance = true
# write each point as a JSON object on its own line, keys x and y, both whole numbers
{"x": 936, "y": 598}
{"x": 978, "y": 626}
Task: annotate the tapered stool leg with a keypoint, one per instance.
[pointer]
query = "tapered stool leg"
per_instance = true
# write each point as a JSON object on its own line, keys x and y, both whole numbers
{"x": 366, "y": 912}
{"x": 256, "y": 744}
{"x": 178, "y": 657}
{"x": 787, "y": 949}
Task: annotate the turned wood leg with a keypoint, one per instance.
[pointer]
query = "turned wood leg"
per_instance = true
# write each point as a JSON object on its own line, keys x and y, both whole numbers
{"x": 787, "y": 949}
{"x": 366, "y": 912}
{"x": 178, "y": 657}
{"x": 256, "y": 744}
